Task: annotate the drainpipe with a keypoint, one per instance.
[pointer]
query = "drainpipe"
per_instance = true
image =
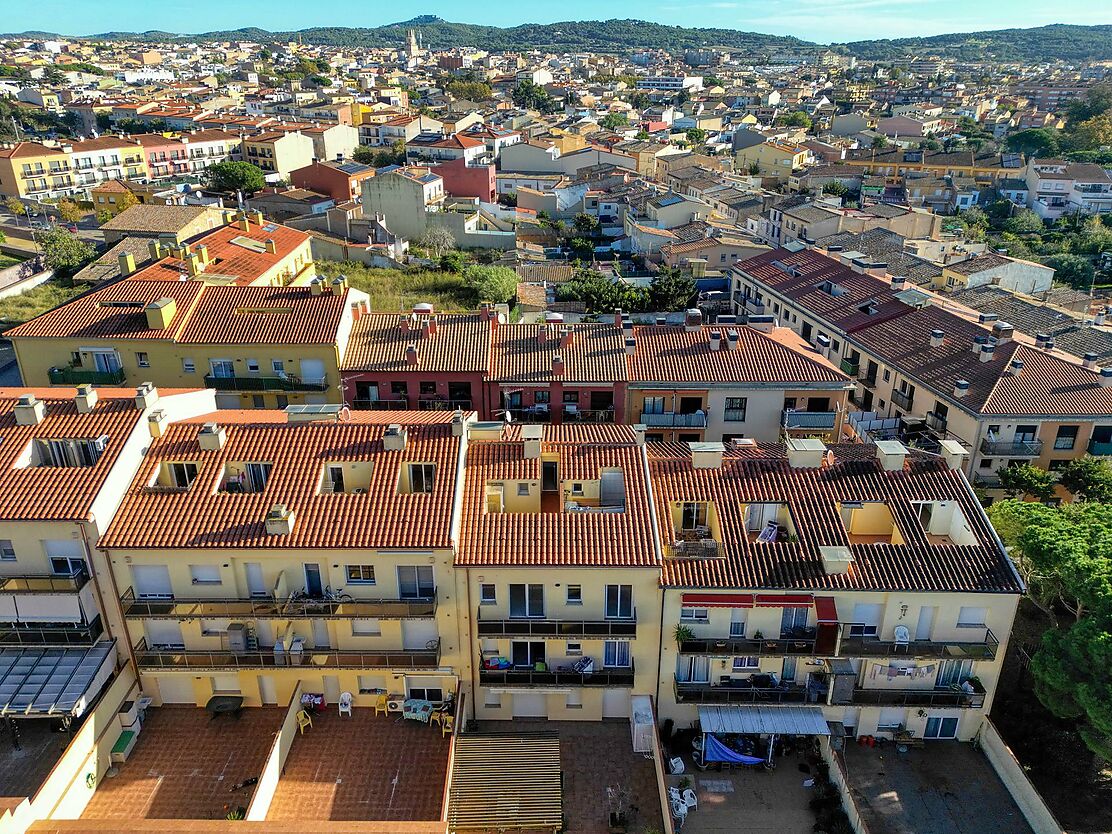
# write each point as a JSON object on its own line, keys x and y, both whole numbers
{"x": 114, "y": 588}
{"x": 659, "y": 560}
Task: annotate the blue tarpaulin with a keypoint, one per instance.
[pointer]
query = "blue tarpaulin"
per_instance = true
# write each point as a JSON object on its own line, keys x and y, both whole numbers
{"x": 715, "y": 751}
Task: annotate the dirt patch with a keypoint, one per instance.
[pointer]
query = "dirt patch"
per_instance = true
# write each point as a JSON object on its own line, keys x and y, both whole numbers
{"x": 1075, "y": 784}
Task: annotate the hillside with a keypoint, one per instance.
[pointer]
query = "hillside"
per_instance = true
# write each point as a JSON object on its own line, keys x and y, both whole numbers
{"x": 1044, "y": 43}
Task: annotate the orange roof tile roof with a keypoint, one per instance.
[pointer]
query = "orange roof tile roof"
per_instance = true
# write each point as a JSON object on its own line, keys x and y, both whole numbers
{"x": 596, "y": 354}
{"x": 50, "y": 493}
{"x": 591, "y": 539}
{"x": 198, "y": 518}
{"x": 264, "y": 315}
{"x": 378, "y": 343}
{"x": 26, "y": 149}
{"x": 813, "y": 495}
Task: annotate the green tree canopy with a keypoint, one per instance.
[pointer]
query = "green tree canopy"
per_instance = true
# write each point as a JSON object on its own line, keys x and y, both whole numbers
{"x": 1035, "y": 142}
{"x": 671, "y": 290}
{"x": 1024, "y": 221}
{"x": 230, "y": 177}
{"x": 613, "y": 120}
{"x": 600, "y": 293}
{"x": 470, "y": 90}
{"x": 1025, "y": 479}
{"x": 491, "y": 283}
{"x": 696, "y": 135}
{"x": 1072, "y": 270}
{"x": 63, "y": 252}
{"x": 1088, "y": 478}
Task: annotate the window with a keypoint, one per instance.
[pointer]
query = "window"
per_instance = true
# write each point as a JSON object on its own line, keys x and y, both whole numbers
{"x": 487, "y": 594}
{"x": 574, "y": 649}
{"x": 427, "y": 693}
{"x": 575, "y": 594}
{"x": 970, "y": 617}
{"x": 571, "y": 396}
{"x": 695, "y": 615}
{"x": 399, "y": 389}
{"x": 735, "y": 409}
{"x": 278, "y": 366}
{"x": 70, "y": 452}
{"x": 887, "y": 375}
{"x": 366, "y": 627}
{"x": 427, "y": 389}
{"x": 746, "y": 662}
{"x": 258, "y": 401}
{"x": 142, "y": 359}
{"x": 416, "y": 582}
{"x": 205, "y": 574}
{"x": 523, "y": 489}
{"x": 281, "y": 400}
{"x": 182, "y": 474}
{"x": 7, "y": 550}
{"x": 222, "y": 368}
{"x": 360, "y": 574}
{"x": 866, "y": 619}
{"x": 793, "y": 618}
{"x": 75, "y": 358}
{"x": 527, "y": 600}
{"x": 1066, "y": 438}
{"x": 619, "y": 601}
{"x": 692, "y": 515}
{"x": 540, "y": 397}
{"x": 422, "y": 477}
{"x": 737, "y": 622}
{"x": 615, "y": 653}
{"x": 187, "y": 366}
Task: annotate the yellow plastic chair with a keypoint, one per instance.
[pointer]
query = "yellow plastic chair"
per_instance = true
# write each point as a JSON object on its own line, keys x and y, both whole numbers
{"x": 447, "y": 726}
{"x": 380, "y": 705}
{"x": 303, "y": 721}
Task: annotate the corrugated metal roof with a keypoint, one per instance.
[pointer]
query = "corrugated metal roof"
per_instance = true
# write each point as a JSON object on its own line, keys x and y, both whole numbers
{"x": 758, "y": 720}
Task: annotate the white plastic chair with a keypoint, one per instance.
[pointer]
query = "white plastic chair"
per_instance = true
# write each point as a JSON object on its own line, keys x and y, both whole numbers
{"x": 689, "y": 798}
{"x": 674, "y": 795}
{"x": 675, "y": 765}
{"x": 679, "y": 811}
{"x": 902, "y": 636}
{"x": 345, "y": 704}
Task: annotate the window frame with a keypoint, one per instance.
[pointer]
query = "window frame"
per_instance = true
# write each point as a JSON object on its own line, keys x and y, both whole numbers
{"x": 361, "y": 578}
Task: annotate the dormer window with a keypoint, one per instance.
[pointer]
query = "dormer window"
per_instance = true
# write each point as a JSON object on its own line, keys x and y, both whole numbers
{"x": 179, "y": 475}
{"x": 693, "y": 515}
{"x": 422, "y": 477}
{"x": 246, "y": 477}
{"x": 870, "y": 522}
{"x": 769, "y": 522}
{"x": 68, "y": 452}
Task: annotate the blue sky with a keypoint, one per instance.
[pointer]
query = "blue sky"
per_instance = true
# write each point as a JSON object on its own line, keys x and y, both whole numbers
{"x": 818, "y": 20}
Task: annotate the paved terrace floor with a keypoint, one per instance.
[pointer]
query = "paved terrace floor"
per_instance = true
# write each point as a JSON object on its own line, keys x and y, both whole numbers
{"x": 946, "y": 787}
{"x": 185, "y": 763}
{"x": 365, "y": 767}
{"x": 23, "y": 771}
{"x": 594, "y": 755}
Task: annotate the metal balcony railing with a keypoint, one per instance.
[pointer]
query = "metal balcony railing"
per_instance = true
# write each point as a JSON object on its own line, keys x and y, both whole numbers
{"x": 706, "y": 693}
{"x": 674, "y": 420}
{"x": 917, "y": 698}
{"x": 875, "y": 647}
{"x": 443, "y": 405}
{"x": 522, "y": 627}
{"x": 380, "y": 405}
{"x": 935, "y": 422}
{"x": 168, "y": 658}
{"x": 530, "y": 677}
{"x": 850, "y": 366}
{"x": 43, "y": 584}
{"x": 264, "y": 383}
{"x": 734, "y": 646}
{"x": 1012, "y": 448}
{"x": 1098, "y": 447}
{"x": 988, "y": 480}
{"x": 30, "y": 634}
{"x": 603, "y": 415}
{"x": 78, "y": 376}
{"x": 263, "y": 608}
{"x": 902, "y": 400}
{"x": 809, "y": 419}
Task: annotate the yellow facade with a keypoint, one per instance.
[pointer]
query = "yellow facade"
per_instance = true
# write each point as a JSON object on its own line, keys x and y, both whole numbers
{"x": 35, "y": 175}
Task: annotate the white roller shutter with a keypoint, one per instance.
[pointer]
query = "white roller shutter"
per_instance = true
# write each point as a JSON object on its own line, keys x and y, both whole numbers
{"x": 152, "y": 581}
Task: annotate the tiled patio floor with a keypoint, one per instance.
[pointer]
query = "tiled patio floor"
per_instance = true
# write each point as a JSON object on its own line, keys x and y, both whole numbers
{"x": 595, "y": 755}
{"x": 365, "y": 767}
{"x": 185, "y": 763}
{"x": 22, "y": 771}
{"x": 745, "y": 801}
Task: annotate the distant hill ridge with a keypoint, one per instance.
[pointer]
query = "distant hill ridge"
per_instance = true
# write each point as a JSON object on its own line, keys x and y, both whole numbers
{"x": 1043, "y": 43}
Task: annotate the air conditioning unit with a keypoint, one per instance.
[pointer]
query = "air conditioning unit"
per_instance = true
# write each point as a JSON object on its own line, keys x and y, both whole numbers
{"x": 394, "y": 703}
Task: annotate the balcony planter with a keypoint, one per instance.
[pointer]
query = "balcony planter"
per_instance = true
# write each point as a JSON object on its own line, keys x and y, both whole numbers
{"x": 682, "y": 633}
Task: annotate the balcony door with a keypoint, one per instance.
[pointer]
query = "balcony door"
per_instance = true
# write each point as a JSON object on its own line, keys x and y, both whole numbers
{"x": 526, "y": 601}
{"x": 222, "y": 368}
{"x": 526, "y": 654}
{"x": 416, "y": 582}
{"x": 107, "y": 362}
{"x": 619, "y": 602}
{"x": 953, "y": 672}
{"x": 693, "y": 669}
{"x": 938, "y": 727}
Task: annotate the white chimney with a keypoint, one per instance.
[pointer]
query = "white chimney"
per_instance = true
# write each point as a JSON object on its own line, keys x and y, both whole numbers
{"x": 86, "y": 399}
{"x": 836, "y": 559}
{"x": 987, "y": 352}
{"x": 29, "y": 411}
{"x": 631, "y": 346}
{"x": 146, "y": 395}
{"x": 1091, "y": 361}
{"x": 393, "y": 439}
{"x": 692, "y": 320}
{"x": 892, "y": 454}
{"x": 732, "y": 338}
{"x": 805, "y": 452}
{"x": 639, "y": 433}
{"x": 211, "y": 437}
{"x": 531, "y": 436}
{"x": 961, "y": 388}
{"x": 1003, "y": 332}
{"x": 1105, "y": 377}
{"x": 1014, "y": 367}
{"x": 937, "y": 338}
{"x": 953, "y": 453}
{"x": 715, "y": 339}
{"x": 706, "y": 455}
{"x": 279, "y": 520}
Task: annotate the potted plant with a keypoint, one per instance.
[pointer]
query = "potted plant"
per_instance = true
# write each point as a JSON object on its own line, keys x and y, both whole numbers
{"x": 682, "y": 633}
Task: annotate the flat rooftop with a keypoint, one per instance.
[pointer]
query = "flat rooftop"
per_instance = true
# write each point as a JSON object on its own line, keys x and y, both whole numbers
{"x": 185, "y": 763}
{"x": 366, "y": 767}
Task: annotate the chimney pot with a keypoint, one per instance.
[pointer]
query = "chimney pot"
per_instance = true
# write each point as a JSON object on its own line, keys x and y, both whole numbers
{"x": 987, "y": 352}
{"x": 961, "y": 388}
{"x": 411, "y": 357}
{"x": 715, "y": 339}
{"x": 732, "y": 339}
{"x": 937, "y": 338}
{"x": 1091, "y": 361}
{"x": 1105, "y": 377}
{"x": 557, "y": 366}
{"x": 631, "y": 346}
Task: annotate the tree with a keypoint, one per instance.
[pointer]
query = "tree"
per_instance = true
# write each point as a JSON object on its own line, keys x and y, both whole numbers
{"x": 1092, "y": 134}
{"x": 1025, "y": 479}
{"x": 754, "y": 169}
{"x": 835, "y": 188}
{"x": 614, "y": 120}
{"x": 364, "y": 154}
{"x": 15, "y": 207}
{"x": 230, "y": 177}
{"x": 879, "y": 142}
{"x": 586, "y": 224}
{"x": 532, "y": 96}
{"x": 491, "y": 283}
{"x": 671, "y": 290}
{"x": 63, "y": 252}
{"x": 581, "y": 249}
{"x": 1088, "y": 478}
{"x": 696, "y": 135}
{"x": 1097, "y": 101}
{"x": 69, "y": 211}
{"x": 471, "y": 90}
{"x": 453, "y": 261}
{"x": 1072, "y": 270}
{"x": 1024, "y": 221}
{"x": 601, "y": 294}
{"x": 930, "y": 145}
{"x": 796, "y": 118}
{"x": 436, "y": 240}
{"x": 1034, "y": 142}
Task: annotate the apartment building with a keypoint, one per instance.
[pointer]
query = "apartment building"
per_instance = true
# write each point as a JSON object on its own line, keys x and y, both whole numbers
{"x": 257, "y": 346}
{"x": 889, "y": 162}
{"x": 434, "y": 149}
{"x": 810, "y": 581}
{"x": 249, "y": 555}
{"x": 278, "y": 152}
{"x": 342, "y": 180}
{"x": 404, "y": 196}
{"x": 397, "y": 129}
{"x": 927, "y": 375}
{"x": 1056, "y": 187}
{"x": 29, "y": 170}
{"x": 772, "y": 159}
{"x": 558, "y": 570}
{"x": 188, "y": 154}
{"x": 106, "y": 158}
{"x": 990, "y": 269}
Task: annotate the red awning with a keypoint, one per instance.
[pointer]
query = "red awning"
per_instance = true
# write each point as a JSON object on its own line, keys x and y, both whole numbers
{"x": 826, "y": 609}
{"x": 718, "y": 600}
{"x": 784, "y": 600}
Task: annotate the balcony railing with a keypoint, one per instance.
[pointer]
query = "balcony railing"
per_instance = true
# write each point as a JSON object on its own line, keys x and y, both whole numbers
{"x": 674, "y": 420}
{"x": 918, "y": 698}
{"x": 155, "y": 658}
{"x": 77, "y": 376}
{"x": 850, "y": 366}
{"x": 874, "y": 647}
{"x": 51, "y": 635}
{"x": 530, "y": 677}
{"x": 1099, "y": 447}
{"x": 809, "y": 419}
{"x": 380, "y": 405}
{"x": 705, "y": 693}
{"x": 734, "y": 646}
{"x": 443, "y": 405}
{"x": 589, "y": 415}
{"x": 43, "y": 584}
{"x": 988, "y": 480}
{"x": 1012, "y": 448}
{"x": 558, "y": 628}
{"x": 264, "y": 383}
{"x": 260, "y": 608}
{"x": 902, "y": 400}
{"x": 935, "y": 422}
{"x": 530, "y": 415}
{"x": 867, "y": 377}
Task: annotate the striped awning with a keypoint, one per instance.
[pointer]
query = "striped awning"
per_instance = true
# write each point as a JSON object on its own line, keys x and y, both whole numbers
{"x": 506, "y": 782}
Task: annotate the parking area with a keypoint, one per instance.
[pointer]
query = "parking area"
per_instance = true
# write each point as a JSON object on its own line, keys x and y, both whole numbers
{"x": 24, "y": 768}
{"x": 186, "y": 765}
{"x": 363, "y": 767}
{"x": 947, "y": 787}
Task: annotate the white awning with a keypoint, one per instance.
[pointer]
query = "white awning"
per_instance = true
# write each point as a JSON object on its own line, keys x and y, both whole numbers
{"x": 44, "y": 681}
{"x": 762, "y": 720}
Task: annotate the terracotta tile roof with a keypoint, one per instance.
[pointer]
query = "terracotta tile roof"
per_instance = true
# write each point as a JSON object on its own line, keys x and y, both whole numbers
{"x": 762, "y": 474}
{"x": 264, "y": 315}
{"x": 460, "y": 344}
{"x": 979, "y": 263}
{"x": 592, "y": 539}
{"x": 670, "y": 353}
{"x": 29, "y": 149}
{"x": 202, "y": 518}
{"x": 50, "y": 493}
{"x": 596, "y": 354}
{"x": 153, "y": 219}
{"x": 116, "y": 311}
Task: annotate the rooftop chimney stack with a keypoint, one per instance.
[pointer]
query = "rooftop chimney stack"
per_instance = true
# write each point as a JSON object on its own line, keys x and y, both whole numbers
{"x": 618, "y": 317}
{"x": 692, "y": 320}
{"x": 127, "y": 263}
{"x": 567, "y": 337}
{"x": 1014, "y": 367}
{"x": 987, "y": 352}
{"x": 937, "y": 338}
{"x": 631, "y": 346}
{"x": 732, "y": 339}
{"x": 211, "y": 437}
{"x": 271, "y": 246}
{"x": 29, "y": 411}
{"x": 557, "y": 366}
{"x": 411, "y": 357}
{"x": 1041, "y": 339}
{"x": 715, "y": 339}
{"x": 394, "y": 438}
{"x": 1105, "y": 377}
{"x": 542, "y": 333}
{"x": 961, "y": 388}
{"x": 86, "y": 399}
{"x": 899, "y": 283}
{"x": 1091, "y": 361}
{"x": 1003, "y": 332}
